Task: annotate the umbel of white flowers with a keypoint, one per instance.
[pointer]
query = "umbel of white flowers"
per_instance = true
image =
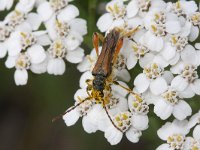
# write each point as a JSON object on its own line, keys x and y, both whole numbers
{"x": 27, "y": 48}
{"x": 163, "y": 48}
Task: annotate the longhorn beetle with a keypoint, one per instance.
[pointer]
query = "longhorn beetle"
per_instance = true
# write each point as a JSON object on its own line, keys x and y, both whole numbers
{"x": 111, "y": 45}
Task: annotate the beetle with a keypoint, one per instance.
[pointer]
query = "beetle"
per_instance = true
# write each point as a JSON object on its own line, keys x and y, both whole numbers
{"x": 111, "y": 45}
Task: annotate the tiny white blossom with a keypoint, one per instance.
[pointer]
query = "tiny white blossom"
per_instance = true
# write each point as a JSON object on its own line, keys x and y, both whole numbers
{"x": 6, "y": 4}
{"x": 174, "y": 134}
{"x": 151, "y": 78}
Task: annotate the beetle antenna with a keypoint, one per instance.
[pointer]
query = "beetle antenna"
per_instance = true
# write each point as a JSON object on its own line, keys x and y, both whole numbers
{"x": 70, "y": 109}
{"x": 104, "y": 106}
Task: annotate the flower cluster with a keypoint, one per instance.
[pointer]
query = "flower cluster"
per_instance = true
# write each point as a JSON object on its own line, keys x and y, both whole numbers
{"x": 40, "y": 41}
{"x": 127, "y": 110}
{"x": 176, "y": 134}
{"x": 163, "y": 47}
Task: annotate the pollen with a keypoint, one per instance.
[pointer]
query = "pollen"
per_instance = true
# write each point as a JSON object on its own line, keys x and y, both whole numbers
{"x": 153, "y": 71}
{"x": 23, "y": 61}
{"x": 58, "y": 4}
{"x": 57, "y": 49}
{"x": 123, "y": 120}
{"x": 176, "y": 141}
{"x": 27, "y": 39}
{"x": 139, "y": 50}
{"x": 190, "y": 73}
{"x": 139, "y": 106}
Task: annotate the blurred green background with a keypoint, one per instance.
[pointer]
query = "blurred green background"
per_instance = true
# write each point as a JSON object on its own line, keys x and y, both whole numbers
{"x": 26, "y": 112}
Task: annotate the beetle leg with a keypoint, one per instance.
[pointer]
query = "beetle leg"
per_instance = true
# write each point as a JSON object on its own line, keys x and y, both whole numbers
{"x": 131, "y": 32}
{"x": 126, "y": 88}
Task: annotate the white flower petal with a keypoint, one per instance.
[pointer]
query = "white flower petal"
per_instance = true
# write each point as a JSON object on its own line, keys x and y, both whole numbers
{"x": 84, "y": 77}
{"x": 132, "y": 8}
{"x": 131, "y": 61}
{"x": 79, "y": 25}
{"x": 176, "y": 27}
{"x": 153, "y": 42}
{"x": 140, "y": 122}
{"x": 164, "y": 147}
{"x": 160, "y": 106}
{"x": 189, "y": 6}
{"x": 121, "y": 91}
{"x": 147, "y": 59}
{"x": 160, "y": 61}
{"x": 14, "y": 47}
{"x": 113, "y": 135}
{"x": 158, "y": 86}
{"x": 75, "y": 56}
{"x": 182, "y": 110}
{"x": 104, "y": 22}
{"x": 25, "y": 5}
{"x": 39, "y": 68}
{"x": 56, "y": 66}
{"x": 88, "y": 125}
{"x": 168, "y": 51}
{"x": 34, "y": 20}
{"x": 187, "y": 93}
{"x": 43, "y": 40}
{"x": 141, "y": 83}
{"x": 123, "y": 75}
{"x": 196, "y": 86}
{"x": 68, "y": 13}
{"x": 188, "y": 55}
{"x": 37, "y": 54}
{"x": 80, "y": 93}
{"x": 71, "y": 117}
{"x": 21, "y": 77}
{"x": 177, "y": 69}
{"x": 168, "y": 76}
{"x": 197, "y": 46}
{"x": 179, "y": 83}
{"x": 84, "y": 65}
{"x": 45, "y": 11}
{"x": 196, "y": 133}
{"x": 133, "y": 135}
{"x": 194, "y": 33}
{"x": 3, "y": 50}
{"x": 186, "y": 29}
{"x": 10, "y": 62}
{"x": 72, "y": 41}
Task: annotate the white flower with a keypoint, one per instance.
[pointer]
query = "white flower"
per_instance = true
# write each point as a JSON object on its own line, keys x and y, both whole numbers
{"x": 116, "y": 12}
{"x": 123, "y": 122}
{"x": 174, "y": 134}
{"x": 139, "y": 109}
{"x": 171, "y": 102}
{"x": 47, "y": 9}
{"x": 21, "y": 40}
{"x": 18, "y": 19}
{"x": 134, "y": 52}
{"x": 69, "y": 30}
{"x": 33, "y": 59}
{"x": 194, "y": 120}
{"x": 151, "y": 78}
{"x": 25, "y": 5}
{"x": 87, "y": 110}
{"x": 187, "y": 80}
{"x": 158, "y": 23}
{"x": 57, "y": 52}
{"x": 6, "y": 4}
{"x": 141, "y": 7}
